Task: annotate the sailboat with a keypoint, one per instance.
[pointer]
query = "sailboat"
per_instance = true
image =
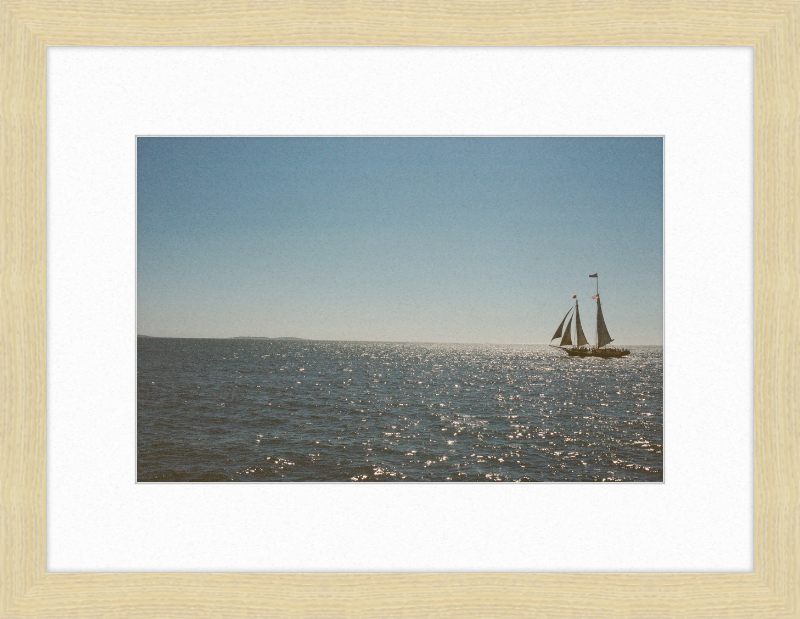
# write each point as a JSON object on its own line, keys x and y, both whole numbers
{"x": 581, "y": 346}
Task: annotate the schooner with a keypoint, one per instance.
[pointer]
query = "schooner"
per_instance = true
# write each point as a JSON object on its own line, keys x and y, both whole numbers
{"x": 581, "y": 346}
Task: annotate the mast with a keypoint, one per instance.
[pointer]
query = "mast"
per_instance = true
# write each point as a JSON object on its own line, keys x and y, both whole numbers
{"x": 581, "y": 338}
{"x": 603, "y": 336}
{"x": 597, "y": 292}
{"x": 597, "y": 296}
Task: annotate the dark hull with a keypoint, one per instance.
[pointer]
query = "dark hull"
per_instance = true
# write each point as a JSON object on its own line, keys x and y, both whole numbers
{"x": 604, "y": 353}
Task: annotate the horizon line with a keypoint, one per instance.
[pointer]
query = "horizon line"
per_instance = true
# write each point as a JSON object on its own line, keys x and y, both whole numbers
{"x": 303, "y": 339}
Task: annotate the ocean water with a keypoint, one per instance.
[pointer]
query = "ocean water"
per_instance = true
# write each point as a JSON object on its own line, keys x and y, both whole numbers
{"x": 297, "y": 410}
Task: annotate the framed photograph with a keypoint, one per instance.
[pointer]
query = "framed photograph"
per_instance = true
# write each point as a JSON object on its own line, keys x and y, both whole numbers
{"x": 416, "y": 270}
{"x": 201, "y": 228}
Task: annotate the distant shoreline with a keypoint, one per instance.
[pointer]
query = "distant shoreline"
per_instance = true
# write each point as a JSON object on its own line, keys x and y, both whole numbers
{"x": 237, "y": 337}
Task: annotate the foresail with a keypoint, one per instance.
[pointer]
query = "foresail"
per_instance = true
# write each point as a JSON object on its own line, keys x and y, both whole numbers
{"x": 567, "y": 339}
{"x": 603, "y": 337}
{"x": 561, "y": 326}
{"x": 579, "y": 330}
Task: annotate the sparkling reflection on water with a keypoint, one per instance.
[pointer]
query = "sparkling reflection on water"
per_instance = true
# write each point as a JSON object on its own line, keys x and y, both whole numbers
{"x": 269, "y": 410}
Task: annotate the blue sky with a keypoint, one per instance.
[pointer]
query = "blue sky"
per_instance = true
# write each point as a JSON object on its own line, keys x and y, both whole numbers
{"x": 398, "y": 239}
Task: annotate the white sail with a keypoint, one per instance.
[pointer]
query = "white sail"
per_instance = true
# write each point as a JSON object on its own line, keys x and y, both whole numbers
{"x": 561, "y": 326}
{"x": 603, "y": 336}
{"x": 567, "y": 339}
{"x": 582, "y": 341}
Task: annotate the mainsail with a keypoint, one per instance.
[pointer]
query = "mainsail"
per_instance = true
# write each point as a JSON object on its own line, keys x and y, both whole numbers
{"x": 567, "y": 339}
{"x": 578, "y": 329}
{"x": 603, "y": 337}
{"x": 558, "y": 331}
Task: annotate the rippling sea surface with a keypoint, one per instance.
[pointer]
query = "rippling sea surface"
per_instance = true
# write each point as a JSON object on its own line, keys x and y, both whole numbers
{"x": 289, "y": 410}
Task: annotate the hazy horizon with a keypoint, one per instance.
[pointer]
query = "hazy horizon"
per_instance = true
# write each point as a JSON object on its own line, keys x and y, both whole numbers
{"x": 404, "y": 240}
{"x": 306, "y": 339}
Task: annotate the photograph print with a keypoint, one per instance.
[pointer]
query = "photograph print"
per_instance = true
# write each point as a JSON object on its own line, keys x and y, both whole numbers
{"x": 409, "y": 309}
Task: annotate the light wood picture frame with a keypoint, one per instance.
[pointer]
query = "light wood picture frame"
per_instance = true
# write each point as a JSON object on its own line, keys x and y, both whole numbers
{"x": 27, "y": 28}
